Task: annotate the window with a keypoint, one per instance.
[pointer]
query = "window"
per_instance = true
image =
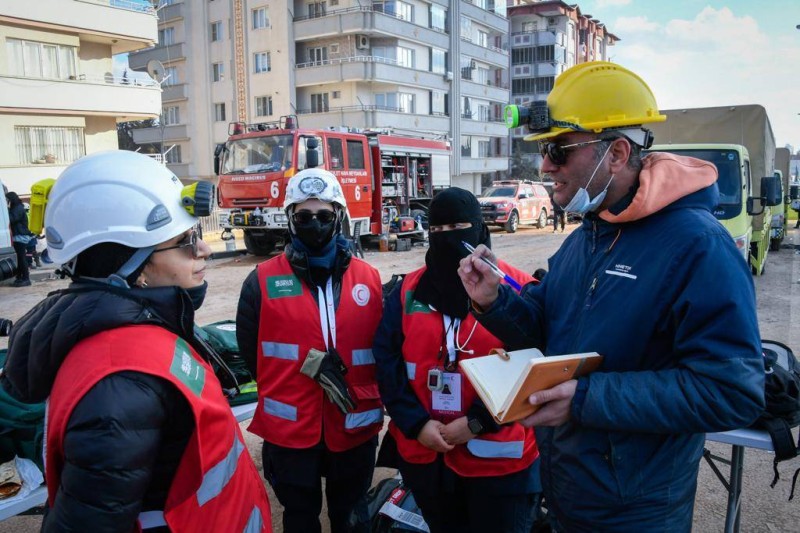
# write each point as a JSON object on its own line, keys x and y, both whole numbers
{"x": 335, "y": 48}
{"x": 386, "y": 101}
{"x": 522, "y": 56}
{"x": 33, "y": 143}
{"x": 483, "y": 39}
{"x": 529, "y": 27}
{"x": 319, "y": 103}
{"x": 438, "y": 61}
{"x": 406, "y": 103}
{"x": 260, "y": 18}
{"x": 219, "y": 112}
{"x": 336, "y": 95}
{"x": 405, "y": 11}
{"x": 216, "y": 31}
{"x": 466, "y": 29}
{"x": 405, "y": 57}
{"x": 466, "y": 110}
{"x": 438, "y": 18}
{"x": 317, "y": 55}
{"x": 483, "y": 148}
{"x": 170, "y": 76}
{"x": 263, "y": 106}
{"x": 481, "y": 75}
{"x": 171, "y": 115}
{"x": 466, "y": 146}
{"x": 261, "y": 62}
{"x": 316, "y": 9}
{"x": 483, "y": 113}
{"x": 438, "y": 103}
{"x": 217, "y": 72}
{"x": 355, "y": 155}
{"x": 336, "y": 154}
{"x": 166, "y": 36}
{"x": 173, "y": 155}
{"x": 40, "y": 60}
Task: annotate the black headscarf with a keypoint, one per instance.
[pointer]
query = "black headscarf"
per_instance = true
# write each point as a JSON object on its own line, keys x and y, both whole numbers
{"x": 440, "y": 285}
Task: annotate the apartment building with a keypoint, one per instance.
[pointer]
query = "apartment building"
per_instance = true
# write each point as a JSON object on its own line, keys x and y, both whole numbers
{"x": 423, "y": 67}
{"x": 59, "y": 97}
{"x": 546, "y": 38}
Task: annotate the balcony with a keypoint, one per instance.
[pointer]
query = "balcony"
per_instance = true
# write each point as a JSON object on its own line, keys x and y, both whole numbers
{"x": 533, "y": 38}
{"x": 491, "y": 55}
{"x": 125, "y": 25}
{"x": 491, "y": 19}
{"x": 480, "y": 165}
{"x": 484, "y": 90}
{"x": 165, "y": 54}
{"x": 365, "y": 68}
{"x": 178, "y": 132}
{"x": 365, "y": 20}
{"x": 108, "y": 96}
{"x": 492, "y": 128}
{"x": 371, "y": 116}
{"x": 173, "y": 93}
{"x": 171, "y": 12}
{"x": 536, "y": 70}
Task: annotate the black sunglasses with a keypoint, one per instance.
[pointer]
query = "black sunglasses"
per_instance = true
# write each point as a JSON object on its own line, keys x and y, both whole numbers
{"x": 305, "y": 217}
{"x": 189, "y": 242}
{"x": 558, "y": 152}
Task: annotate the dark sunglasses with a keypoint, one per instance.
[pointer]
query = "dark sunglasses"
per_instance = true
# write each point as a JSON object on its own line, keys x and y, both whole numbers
{"x": 305, "y": 217}
{"x": 191, "y": 242}
{"x": 558, "y": 152}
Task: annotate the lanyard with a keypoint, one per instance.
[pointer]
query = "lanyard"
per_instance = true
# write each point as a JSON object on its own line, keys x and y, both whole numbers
{"x": 327, "y": 314}
{"x": 450, "y": 334}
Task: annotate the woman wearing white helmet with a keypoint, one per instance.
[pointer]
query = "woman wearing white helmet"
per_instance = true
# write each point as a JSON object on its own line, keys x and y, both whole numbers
{"x": 305, "y": 326}
{"x": 116, "y": 356}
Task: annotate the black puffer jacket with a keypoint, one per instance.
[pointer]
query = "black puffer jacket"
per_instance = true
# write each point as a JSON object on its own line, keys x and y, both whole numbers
{"x": 125, "y": 438}
{"x": 248, "y": 314}
{"x": 18, "y": 220}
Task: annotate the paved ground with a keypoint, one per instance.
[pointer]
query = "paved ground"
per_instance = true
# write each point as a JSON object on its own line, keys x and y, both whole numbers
{"x": 778, "y": 291}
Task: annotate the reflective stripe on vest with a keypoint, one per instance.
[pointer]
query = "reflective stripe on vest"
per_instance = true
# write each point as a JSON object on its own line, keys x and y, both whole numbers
{"x": 492, "y": 449}
{"x": 360, "y": 420}
{"x": 218, "y": 475}
{"x": 152, "y": 519}
{"x": 280, "y": 350}
{"x": 363, "y": 357}
{"x": 411, "y": 370}
{"x": 280, "y": 409}
{"x": 255, "y": 522}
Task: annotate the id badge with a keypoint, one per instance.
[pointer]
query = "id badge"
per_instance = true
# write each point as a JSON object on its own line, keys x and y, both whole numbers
{"x": 447, "y": 400}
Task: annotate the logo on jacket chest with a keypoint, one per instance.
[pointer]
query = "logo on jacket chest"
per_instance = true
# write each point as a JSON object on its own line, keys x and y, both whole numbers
{"x": 186, "y": 368}
{"x": 623, "y": 271}
{"x": 283, "y": 286}
{"x": 361, "y": 294}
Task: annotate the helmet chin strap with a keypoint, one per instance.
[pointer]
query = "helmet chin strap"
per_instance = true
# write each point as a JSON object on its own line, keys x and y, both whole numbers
{"x": 120, "y": 277}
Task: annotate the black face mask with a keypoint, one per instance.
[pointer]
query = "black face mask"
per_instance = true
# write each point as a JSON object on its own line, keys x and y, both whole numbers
{"x": 315, "y": 235}
{"x": 198, "y": 295}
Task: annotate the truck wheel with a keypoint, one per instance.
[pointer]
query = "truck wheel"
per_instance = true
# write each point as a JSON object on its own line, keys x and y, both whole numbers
{"x": 774, "y": 245}
{"x": 513, "y": 222}
{"x": 259, "y": 244}
{"x": 542, "y": 223}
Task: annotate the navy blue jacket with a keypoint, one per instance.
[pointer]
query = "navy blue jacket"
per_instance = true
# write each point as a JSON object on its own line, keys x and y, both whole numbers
{"x": 669, "y": 302}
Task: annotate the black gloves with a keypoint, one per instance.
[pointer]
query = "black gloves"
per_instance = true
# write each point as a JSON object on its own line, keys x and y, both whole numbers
{"x": 328, "y": 370}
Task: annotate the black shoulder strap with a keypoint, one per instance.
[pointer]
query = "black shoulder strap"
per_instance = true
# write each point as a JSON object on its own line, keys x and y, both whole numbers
{"x": 782, "y": 439}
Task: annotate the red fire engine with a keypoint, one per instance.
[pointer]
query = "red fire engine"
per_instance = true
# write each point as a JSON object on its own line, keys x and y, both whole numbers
{"x": 382, "y": 175}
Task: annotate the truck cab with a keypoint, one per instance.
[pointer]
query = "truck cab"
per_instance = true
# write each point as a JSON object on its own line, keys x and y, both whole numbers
{"x": 509, "y": 203}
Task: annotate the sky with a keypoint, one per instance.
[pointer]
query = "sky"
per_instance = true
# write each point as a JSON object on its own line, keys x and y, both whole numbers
{"x": 696, "y": 53}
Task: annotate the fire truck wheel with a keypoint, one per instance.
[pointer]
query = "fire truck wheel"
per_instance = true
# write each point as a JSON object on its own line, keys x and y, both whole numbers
{"x": 512, "y": 223}
{"x": 259, "y": 244}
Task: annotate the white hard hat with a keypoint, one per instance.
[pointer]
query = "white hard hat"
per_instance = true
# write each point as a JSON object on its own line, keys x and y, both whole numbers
{"x": 314, "y": 183}
{"x": 114, "y": 196}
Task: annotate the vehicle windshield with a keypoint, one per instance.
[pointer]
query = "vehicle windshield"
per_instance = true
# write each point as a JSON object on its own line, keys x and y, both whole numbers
{"x": 269, "y": 153}
{"x": 499, "y": 191}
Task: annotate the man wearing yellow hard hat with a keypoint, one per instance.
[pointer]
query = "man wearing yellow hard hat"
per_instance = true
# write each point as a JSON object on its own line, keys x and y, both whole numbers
{"x": 621, "y": 447}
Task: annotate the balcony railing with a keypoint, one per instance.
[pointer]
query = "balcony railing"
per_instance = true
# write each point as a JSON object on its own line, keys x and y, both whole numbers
{"x": 351, "y": 59}
{"x": 503, "y": 51}
{"x": 142, "y": 6}
{"x": 364, "y": 9}
{"x": 389, "y": 109}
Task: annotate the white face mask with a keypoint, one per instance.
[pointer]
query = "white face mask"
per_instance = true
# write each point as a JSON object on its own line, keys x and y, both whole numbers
{"x": 581, "y": 203}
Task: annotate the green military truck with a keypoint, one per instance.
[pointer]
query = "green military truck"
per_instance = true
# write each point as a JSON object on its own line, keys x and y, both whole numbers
{"x": 740, "y": 142}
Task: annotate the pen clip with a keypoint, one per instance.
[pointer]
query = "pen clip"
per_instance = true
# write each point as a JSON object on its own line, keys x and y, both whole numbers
{"x": 500, "y": 353}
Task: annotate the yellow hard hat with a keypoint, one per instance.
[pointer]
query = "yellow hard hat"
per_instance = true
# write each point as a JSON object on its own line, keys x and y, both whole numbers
{"x": 595, "y": 96}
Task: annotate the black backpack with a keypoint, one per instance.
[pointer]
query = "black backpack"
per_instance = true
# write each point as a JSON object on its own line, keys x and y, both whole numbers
{"x": 782, "y": 411}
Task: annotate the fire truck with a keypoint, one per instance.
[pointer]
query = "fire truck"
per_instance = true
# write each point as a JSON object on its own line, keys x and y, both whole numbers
{"x": 383, "y": 175}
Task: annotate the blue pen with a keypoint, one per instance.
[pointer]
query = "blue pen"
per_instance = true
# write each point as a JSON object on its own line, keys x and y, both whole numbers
{"x": 496, "y": 269}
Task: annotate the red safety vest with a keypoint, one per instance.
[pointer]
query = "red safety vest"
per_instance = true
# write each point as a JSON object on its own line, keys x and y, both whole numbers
{"x": 216, "y": 486}
{"x": 293, "y": 410}
{"x": 511, "y": 449}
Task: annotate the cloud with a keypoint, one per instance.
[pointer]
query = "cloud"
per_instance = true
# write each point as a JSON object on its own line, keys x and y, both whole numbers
{"x": 628, "y": 25}
{"x": 718, "y": 58}
{"x": 612, "y": 3}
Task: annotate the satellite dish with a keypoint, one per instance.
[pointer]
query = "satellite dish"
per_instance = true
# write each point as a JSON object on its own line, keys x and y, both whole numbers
{"x": 156, "y": 70}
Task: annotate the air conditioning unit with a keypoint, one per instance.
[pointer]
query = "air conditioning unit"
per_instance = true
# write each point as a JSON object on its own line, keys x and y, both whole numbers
{"x": 551, "y": 21}
{"x": 362, "y": 42}
{"x": 472, "y": 64}
{"x": 449, "y": 75}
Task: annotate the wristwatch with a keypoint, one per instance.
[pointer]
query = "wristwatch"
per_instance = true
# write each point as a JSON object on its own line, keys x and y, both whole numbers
{"x": 474, "y": 425}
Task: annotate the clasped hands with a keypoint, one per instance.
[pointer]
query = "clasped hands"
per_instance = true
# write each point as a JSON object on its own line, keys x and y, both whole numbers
{"x": 441, "y": 437}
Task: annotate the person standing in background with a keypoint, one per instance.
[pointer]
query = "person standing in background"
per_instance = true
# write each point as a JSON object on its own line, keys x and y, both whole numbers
{"x": 559, "y": 215}
{"x": 20, "y": 236}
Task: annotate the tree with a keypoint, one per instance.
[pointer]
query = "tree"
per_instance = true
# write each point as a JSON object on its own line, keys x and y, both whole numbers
{"x": 523, "y": 168}
{"x": 125, "y": 133}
